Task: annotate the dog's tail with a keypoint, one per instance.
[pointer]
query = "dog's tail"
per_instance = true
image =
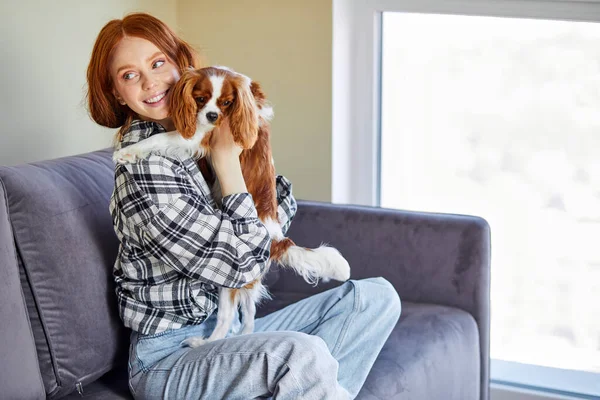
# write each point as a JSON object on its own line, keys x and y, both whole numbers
{"x": 322, "y": 263}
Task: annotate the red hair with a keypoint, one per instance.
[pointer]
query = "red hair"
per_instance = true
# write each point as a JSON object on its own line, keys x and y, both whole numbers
{"x": 102, "y": 103}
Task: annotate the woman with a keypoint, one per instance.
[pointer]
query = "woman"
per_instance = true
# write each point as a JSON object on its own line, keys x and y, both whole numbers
{"x": 178, "y": 247}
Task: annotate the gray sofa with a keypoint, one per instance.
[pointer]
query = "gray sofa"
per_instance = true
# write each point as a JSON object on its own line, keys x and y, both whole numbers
{"x": 59, "y": 326}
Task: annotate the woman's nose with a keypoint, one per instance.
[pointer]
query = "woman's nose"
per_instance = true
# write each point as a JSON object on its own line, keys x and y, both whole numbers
{"x": 148, "y": 83}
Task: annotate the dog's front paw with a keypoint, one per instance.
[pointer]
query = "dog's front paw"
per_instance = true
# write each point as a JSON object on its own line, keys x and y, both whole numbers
{"x": 341, "y": 271}
{"x": 336, "y": 266}
{"x": 127, "y": 155}
{"x": 194, "y": 342}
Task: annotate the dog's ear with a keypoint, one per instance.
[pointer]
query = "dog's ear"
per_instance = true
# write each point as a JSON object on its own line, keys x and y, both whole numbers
{"x": 257, "y": 92}
{"x": 243, "y": 120}
{"x": 182, "y": 105}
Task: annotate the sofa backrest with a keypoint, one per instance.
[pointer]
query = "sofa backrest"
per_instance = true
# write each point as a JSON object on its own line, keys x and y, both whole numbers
{"x": 64, "y": 246}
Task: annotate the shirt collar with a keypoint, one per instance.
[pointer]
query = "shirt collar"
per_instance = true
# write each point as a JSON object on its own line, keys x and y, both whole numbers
{"x": 140, "y": 130}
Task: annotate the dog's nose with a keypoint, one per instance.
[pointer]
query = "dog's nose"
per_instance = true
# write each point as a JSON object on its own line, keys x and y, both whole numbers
{"x": 212, "y": 116}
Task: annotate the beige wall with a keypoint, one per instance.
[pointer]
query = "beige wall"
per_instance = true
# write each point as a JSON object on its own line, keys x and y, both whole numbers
{"x": 46, "y": 47}
{"x": 285, "y": 45}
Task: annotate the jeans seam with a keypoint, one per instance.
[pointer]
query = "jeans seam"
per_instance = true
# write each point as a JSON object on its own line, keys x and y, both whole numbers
{"x": 155, "y": 335}
{"x": 349, "y": 319}
{"x": 168, "y": 370}
{"x": 139, "y": 373}
{"x": 309, "y": 323}
{"x": 314, "y": 320}
{"x": 140, "y": 363}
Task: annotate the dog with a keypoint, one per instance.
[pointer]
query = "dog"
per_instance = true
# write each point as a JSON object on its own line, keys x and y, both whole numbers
{"x": 199, "y": 101}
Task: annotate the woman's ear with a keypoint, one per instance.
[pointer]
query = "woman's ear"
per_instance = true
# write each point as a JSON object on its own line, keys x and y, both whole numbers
{"x": 118, "y": 97}
{"x": 243, "y": 120}
{"x": 182, "y": 105}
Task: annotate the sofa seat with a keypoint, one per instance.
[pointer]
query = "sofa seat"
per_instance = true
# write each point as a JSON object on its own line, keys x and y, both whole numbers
{"x": 433, "y": 353}
{"x": 111, "y": 386}
{"x": 439, "y": 348}
{"x": 429, "y": 355}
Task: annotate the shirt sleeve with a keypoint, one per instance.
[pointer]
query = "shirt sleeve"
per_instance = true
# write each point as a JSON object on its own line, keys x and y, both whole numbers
{"x": 287, "y": 205}
{"x": 177, "y": 224}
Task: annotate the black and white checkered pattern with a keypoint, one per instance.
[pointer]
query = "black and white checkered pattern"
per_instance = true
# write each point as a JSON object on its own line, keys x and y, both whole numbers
{"x": 177, "y": 246}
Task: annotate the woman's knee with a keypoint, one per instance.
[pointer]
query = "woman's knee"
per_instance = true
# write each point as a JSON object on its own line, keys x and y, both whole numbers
{"x": 380, "y": 293}
{"x": 304, "y": 342}
{"x": 309, "y": 347}
{"x": 315, "y": 369}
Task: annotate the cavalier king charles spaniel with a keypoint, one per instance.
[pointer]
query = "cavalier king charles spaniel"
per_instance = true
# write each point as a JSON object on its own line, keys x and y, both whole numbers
{"x": 199, "y": 101}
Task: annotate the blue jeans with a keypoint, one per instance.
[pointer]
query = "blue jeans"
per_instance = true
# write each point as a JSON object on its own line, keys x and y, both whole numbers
{"x": 322, "y": 347}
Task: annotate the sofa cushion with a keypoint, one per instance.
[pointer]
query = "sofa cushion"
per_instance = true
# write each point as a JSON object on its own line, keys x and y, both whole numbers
{"x": 19, "y": 373}
{"x": 67, "y": 247}
{"x": 432, "y": 353}
{"x": 111, "y": 386}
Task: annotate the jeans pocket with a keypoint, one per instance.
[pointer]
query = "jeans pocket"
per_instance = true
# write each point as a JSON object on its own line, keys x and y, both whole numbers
{"x": 150, "y": 349}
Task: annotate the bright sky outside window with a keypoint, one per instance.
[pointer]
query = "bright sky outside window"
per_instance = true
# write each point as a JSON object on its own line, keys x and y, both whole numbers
{"x": 500, "y": 117}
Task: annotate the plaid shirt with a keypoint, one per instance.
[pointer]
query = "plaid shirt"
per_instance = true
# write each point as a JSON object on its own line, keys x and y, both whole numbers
{"x": 177, "y": 247}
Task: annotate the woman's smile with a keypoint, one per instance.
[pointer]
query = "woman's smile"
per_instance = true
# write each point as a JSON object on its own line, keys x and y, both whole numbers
{"x": 158, "y": 100}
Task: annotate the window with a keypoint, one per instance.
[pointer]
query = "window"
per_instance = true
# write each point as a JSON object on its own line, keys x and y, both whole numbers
{"x": 500, "y": 117}
{"x": 491, "y": 112}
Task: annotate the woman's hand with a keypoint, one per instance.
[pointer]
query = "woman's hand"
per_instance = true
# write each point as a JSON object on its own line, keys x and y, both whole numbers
{"x": 225, "y": 159}
{"x": 223, "y": 148}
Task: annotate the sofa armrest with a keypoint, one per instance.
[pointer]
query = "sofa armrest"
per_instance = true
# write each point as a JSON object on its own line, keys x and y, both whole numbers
{"x": 428, "y": 257}
{"x": 19, "y": 373}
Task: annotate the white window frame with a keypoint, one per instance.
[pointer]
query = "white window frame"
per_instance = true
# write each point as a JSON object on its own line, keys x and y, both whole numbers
{"x": 356, "y": 118}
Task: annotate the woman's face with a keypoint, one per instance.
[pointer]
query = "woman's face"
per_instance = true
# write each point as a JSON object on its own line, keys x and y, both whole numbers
{"x": 142, "y": 76}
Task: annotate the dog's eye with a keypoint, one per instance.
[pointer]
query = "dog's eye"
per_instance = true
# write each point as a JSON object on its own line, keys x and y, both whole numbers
{"x": 201, "y": 99}
{"x": 226, "y": 102}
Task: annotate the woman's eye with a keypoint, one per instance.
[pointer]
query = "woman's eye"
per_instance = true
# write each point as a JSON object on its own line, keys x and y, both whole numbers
{"x": 128, "y": 76}
{"x": 158, "y": 63}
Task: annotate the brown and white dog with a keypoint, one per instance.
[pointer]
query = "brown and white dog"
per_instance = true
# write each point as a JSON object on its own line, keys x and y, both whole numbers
{"x": 198, "y": 103}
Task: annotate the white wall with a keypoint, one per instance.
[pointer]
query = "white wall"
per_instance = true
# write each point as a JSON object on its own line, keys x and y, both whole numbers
{"x": 287, "y": 47}
{"x": 45, "y": 48}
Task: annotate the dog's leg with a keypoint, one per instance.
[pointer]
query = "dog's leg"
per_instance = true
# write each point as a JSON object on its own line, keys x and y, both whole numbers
{"x": 168, "y": 144}
{"x": 323, "y": 263}
{"x": 141, "y": 149}
{"x": 228, "y": 303}
{"x": 250, "y": 296}
{"x": 248, "y": 310}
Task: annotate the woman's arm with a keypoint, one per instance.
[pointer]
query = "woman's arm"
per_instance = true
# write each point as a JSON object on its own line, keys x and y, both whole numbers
{"x": 287, "y": 206}
{"x": 225, "y": 159}
{"x": 176, "y": 224}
